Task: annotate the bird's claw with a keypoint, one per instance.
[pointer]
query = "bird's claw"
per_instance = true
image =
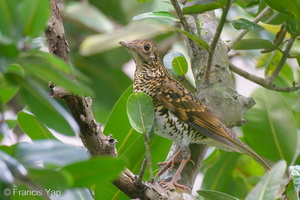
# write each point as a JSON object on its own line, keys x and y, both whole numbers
{"x": 169, "y": 165}
{"x": 168, "y": 185}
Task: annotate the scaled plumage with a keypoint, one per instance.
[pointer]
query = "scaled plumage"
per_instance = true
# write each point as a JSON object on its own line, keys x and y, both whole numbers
{"x": 180, "y": 116}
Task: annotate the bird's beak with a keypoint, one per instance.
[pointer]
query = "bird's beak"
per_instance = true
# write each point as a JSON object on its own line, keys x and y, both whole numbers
{"x": 126, "y": 44}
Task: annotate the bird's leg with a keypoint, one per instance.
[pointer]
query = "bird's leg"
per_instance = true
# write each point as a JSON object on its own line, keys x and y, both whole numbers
{"x": 176, "y": 176}
{"x": 170, "y": 164}
{"x": 186, "y": 154}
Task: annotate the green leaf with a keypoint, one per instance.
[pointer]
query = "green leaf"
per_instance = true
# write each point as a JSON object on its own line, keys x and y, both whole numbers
{"x": 118, "y": 121}
{"x": 140, "y": 112}
{"x": 177, "y": 62}
{"x": 76, "y": 194}
{"x": 293, "y": 27}
{"x": 220, "y": 176}
{"x": 8, "y": 54}
{"x": 271, "y": 62}
{"x": 143, "y": 1}
{"x": 269, "y": 185}
{"x": 9, "y": 89}
{"x": 295, "y": 51}
{"x": 87, "y": 15}
{"x": 254, "y": 44}
{"x": 51, "y": 68}
{"x": 291, "y": 7}
{"x": 160, "y": 14}
{"x": 246, "y": 24}
{"x": 50, "y": 179}
{"x": 131, "y": 143}
{"x": 95, "y": 171}
{"x": 99, "y": 43}
{"x": 33, "y": 15}
{"x": 198, "y": 41}
{"x": 109, "y": 191}
{"x": 47, "y": 109}
{"x": 263, "y": 60}
{"x": 203, "y": 6}
{"x": 50, "y": 152}
{"x": 33, "y": 126}
{"x": 6, "y": 149}
{"x": 8, "y": 18}
{"x": 23, "y": 191}
{"x": 266, "y": 132}
{"x": 210, "y": 160}
{"x": 54, "y": 61}
{"x": 215, "y": 195}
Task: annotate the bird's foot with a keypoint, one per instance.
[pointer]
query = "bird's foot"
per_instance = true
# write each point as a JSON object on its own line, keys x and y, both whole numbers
{"x": 168, "y": 185}
{"x": 169, "y": 165}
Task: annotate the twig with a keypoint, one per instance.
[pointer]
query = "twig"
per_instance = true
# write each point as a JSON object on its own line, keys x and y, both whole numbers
{"x": 142, "y": 172}
{"x": 243, "y": 32}
{"x": 184, "y": 23}
{"x": 197, "y": 22}
{"x": 283, "y": 58}
{"x": 261, "y": 81}
{"x": 215, "y": 41}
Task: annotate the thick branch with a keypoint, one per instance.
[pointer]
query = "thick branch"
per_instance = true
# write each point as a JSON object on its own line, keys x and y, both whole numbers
{"x": 261, "y": 81}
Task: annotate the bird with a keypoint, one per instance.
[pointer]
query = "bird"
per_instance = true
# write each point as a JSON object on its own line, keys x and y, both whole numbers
{"x": 179, "y": 114}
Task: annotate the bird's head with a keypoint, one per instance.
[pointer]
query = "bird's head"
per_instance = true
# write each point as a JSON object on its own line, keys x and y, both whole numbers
{"x": 142, "y": 51}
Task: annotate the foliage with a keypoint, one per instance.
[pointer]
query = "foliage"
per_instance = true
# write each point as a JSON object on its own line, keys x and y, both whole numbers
{"x": 35, "y": 129}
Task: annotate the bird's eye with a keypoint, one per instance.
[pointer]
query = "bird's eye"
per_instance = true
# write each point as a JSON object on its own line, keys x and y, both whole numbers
{"x": 147, "y": 47}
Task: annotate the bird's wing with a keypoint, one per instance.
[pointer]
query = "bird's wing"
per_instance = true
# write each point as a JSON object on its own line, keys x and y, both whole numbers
{"x": 190, "y": 110}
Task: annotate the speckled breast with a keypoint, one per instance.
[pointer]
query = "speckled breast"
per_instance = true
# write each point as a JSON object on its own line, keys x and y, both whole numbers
{"x": 166, "y": 123}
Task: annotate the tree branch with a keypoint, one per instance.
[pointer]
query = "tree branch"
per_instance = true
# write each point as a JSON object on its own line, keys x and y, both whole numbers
{"x": 185, "y": 24}
{"x": 283, "y": 58}
{"x": 266, "y": 83}
{"x": 214, "y": 42}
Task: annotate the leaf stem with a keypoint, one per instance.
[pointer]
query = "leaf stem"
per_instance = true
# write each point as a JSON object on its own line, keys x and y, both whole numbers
{"x": 143, "y": 169}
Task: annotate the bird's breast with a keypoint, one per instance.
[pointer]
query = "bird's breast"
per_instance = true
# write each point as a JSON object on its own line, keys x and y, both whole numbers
{"x": 147, "y": 84}
{"x": 168, "y": 125}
